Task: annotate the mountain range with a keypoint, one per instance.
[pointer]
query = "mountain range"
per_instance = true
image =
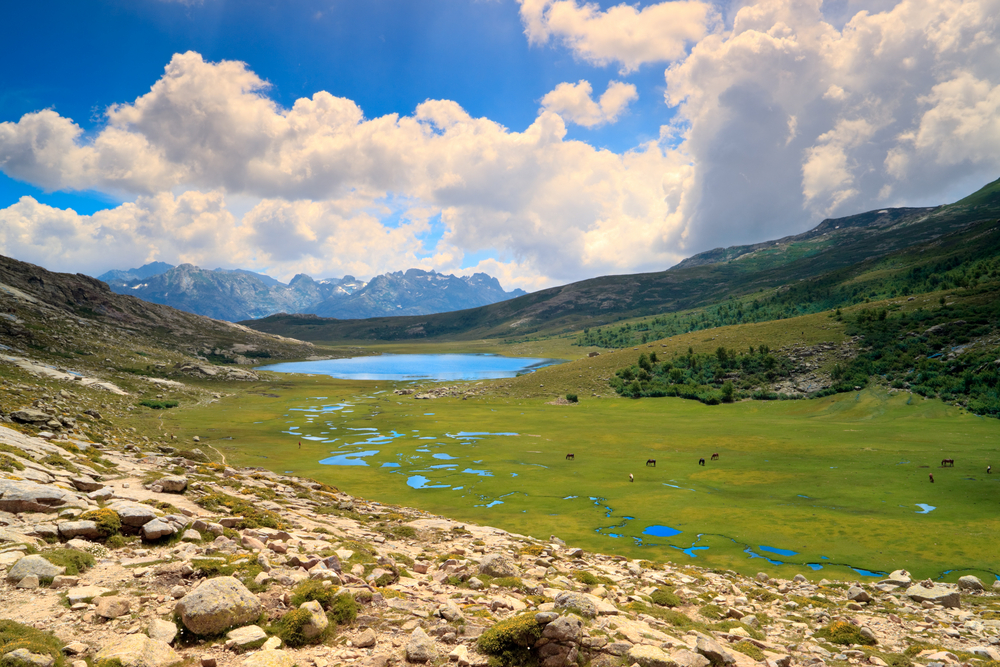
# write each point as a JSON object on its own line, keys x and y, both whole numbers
{"x": 234, "y": 295}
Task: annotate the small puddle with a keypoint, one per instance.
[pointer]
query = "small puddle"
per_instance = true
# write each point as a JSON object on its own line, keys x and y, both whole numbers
{"x": 662, "y": 531}
{"x": 421, "y": 482}
{"x": 780, "y": 552}
{"x": 349, "y": 459}
{"x": 444, "y": 457}
{"x": 868, "y": 573}
{"x": 815, "y": 566}
{"x": 925, "y": 509}
{"x": 390, "y": 465}
{"x": 481, "y": 473}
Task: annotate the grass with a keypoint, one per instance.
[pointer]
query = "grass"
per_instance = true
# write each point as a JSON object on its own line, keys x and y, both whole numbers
{"x": 14, "y": 635}
{"x": 73, "y": 560}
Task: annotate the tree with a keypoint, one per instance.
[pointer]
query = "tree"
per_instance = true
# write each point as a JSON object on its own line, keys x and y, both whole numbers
{"x": 728, "y": 391}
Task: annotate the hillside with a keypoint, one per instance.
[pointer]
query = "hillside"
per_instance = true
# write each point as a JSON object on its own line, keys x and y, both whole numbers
{"x": 837, "y": 252}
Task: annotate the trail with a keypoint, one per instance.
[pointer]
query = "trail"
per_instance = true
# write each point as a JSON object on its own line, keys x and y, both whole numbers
{"x": 219, "y": 453}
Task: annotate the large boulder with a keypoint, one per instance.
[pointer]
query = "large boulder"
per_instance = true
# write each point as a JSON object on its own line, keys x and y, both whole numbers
{"x": 112, "y": 606}
{"x": 420, "y": 648}
{"x": 173, "y": 483}
{"x": 134, "y": 515}
{"x": 971, "y": 582}
{"x": 565, "y": 630}
{"x": 218, "y": 605}
{"x": 86, "y": 529}
{"x": 23, "y": 656}
{"x": 935, "y": 594}
{"x": 498, "y": 565}
{"x": 270, "y": 658}
{"x": 33, "y": 565}
{"x": 858, "y": 594}
{"x": 30, "y": 417}
{"x": 898, "y": 578}
{"x": 158, "y": 528}
{"x": 714, "y": 651}
{"x": 21, "y": 496}
{"x": 648, "y": 656}
{"x": 85, "y": 483}
{"x": 576, "y": 601}
{"x": 138, "y": 651}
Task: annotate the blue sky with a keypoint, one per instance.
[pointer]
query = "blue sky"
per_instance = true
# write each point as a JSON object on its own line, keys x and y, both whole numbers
{"x": 729, "y": 123}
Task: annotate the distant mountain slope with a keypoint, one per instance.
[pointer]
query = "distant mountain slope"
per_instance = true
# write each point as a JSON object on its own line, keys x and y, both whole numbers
{"x": 846, "y": 245}
{"x": 144, "y": 271}
{"x": 241, "y": 295}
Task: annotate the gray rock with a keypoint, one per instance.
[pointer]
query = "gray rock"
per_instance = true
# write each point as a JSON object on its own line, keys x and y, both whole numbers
{"x": 84, "y": 593}
{"x": 420, "y": 648}
{"x": 85, "y": 529}
{"x": 158, "y": 528}
{"x": 317, "y": 622}
{"x": 107, "y": 493}
{"x": 191, "y": 535}
{"x": 988, "y": 652}
{"x": 85, "y": 483}
{"x": 712, "y": 650}
{"x": 45, "y": 530}
{"x": 23, "y": 656}
{"x": 898, "y": 578}
{"x": 30, "y": 417}
{"x": 475, "y": 584}
{"x": 63, "y": 581}
{"x": 498, "y": 565}
{"x": 366, "y": 639}
{"x": 162, "y": 630}
{"x": 30, "y": 581}
{"x": 112, "y": 606}
{"x": 451, "y": 612}
{"x": 649, "y": 656}
{"x": 564, "y": 629}
{"x": 858, "y": 594}
{"x": 800, "y": 579}
{"x": 217, "y": 605}
{"x": 20, "y": 496}
{"x": 173, "y": 483}
{"x": 578, "y": 601}
{"x": 35, "y": 565}
{"x": 544, "y": 617}
{"x": 270, "y": 658}
{"x": 762, "y": 577}
{"x": 138, "y": 651}
{"x": 249, "y": 636}
{"x": 971, "y": 583}
{"x": 936, "y": 594}
{"x": 686, "y": 658}
{"x": 134, "y": 515}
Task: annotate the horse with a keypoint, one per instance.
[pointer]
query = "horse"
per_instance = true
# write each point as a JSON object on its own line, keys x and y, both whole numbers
{"x": 651, "y": 462}
{"x": 947, "y": 463}
{"x": 701, "y": 462}
{"x": 631, "y": 478}
{"x": 570, "y": 457}
{"x": 989, "y": 470}
{"x": 931, "y": 475}
{"x": 715, "y": 457}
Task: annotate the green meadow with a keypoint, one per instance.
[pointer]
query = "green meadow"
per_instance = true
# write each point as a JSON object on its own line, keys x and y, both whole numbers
{"x": 838, "y": 480}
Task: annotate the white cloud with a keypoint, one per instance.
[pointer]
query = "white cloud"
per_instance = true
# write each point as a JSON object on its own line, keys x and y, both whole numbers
{"x": 574, "y": 103}
{"x": 622, "y": 34}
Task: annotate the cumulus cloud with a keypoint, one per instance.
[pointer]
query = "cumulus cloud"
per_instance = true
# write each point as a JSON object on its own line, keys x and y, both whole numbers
{"x": 574, "y": 102}
{"x": 622, "y": 34}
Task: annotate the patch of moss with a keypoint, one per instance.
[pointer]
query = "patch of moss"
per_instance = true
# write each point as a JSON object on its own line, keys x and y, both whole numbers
{"x": 711, "y": 611}
{"x": 107, "y": 520}
{"x": 752, "y": 650}
{"x": 310, "y": 589}
{"x": 14, "y": 635}
{"x": 665, "y": 597}
{"x": 290, "y": 628}
{"x": 509, "y": 642}
{"x": 74, "y": 560}
{"x": 10, "y": 464}
{"x": 344, "y": 609}
{"x": 531, "y": 550}
{"x": 843, "y": 633}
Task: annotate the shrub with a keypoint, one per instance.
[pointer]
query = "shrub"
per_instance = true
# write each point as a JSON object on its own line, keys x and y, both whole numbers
{"x": 572, "y": 398}
{"x": 107, "y": 520}
{"x": 841, "y": 632}
{"x": 117, "y": 541}
{"x": 159, "y": 405}
{"x": 746, "y": 648}
{"x": 289, "y": 628}
{"x": 74, "y": 560}
{"x": 311, "y": 589}
{"x": 711, "y": 611}
{"x": 532, "y": 550}
{"x": 14, "y": 635}
{"x": 344, "y": 609}
{"x": 665, "y": 597}
{"x": 509, "y": 642}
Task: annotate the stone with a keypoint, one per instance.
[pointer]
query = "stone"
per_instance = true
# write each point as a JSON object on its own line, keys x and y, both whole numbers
{"x": 112, "y": 606}
{"x": 800, "y": 579}
{"x": 649, "y": 656}
{"x": 30, "y": 581}
{"x": 578, "y": 601}
{"x": 64, "y": 581}
{"x": 177, "y": 592}
{"x": 317, "y": 622}
{"x": 251, "y": 542}
{"x": 544, "y": 617}
{"x": 208, "y": 661}
{"x": 84, "y": 593}
{"x": 366, "y": 639}
{"x": 173, "y": 483}
{"x": 107, "y": 493}
{"x": 498, "y": 565}
{"x": 270, "y": 658}
{"x": 162, "y": 630}
{"x": 460, "y": 654}
{"x": 157, "y": 528}
{"x": 22, "y": 496}
{"x": 988, "y": 652}
{"x": 35, "y": 565}
{"x": 191, "y": 535}
{"x": 23, "y": 656}
{"x": 217, "y": 605}
{"x": 30, "y": 417}
{"x": 686, "y": 658}
{"x": 134, "y": 515}
{"x": 899, "y": 578}
{"x": 420, "y": 647}
{"x": 971, "y": 583}
{"x": 712, "y": 650}
{"x": 85, "y": 529}
{"x": 249, "y": 636}
{"x": 867, "y": 633}
{"x": 271, "y": 644}
{"x": 85, "y": 483}
{"x": 138, "y": 651}
{"x": 936, "y": 594}
{"x": 75, "y": 648}
{"x": 475, "y": 584}
{"x": 451, "y": 612}
{"x": 762, "y": 577}
{"x": 858, "y": 594}
{"x": 564, "y": 629}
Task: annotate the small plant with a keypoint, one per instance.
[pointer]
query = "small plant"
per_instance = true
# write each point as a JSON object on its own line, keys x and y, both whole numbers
{"x": 572, "y": 398}
{"x": 290, "y": 628}
{"x": 159, "y": 405}
{"x": 746, "y": 648}
{"x": 310, "y": 589}
{"x": 711, "y": 611}
{"x": 665, "y": 597}
{"x": 14, "y": 635}
{"x": 73, "y": 560}
{"x": 509, "y": 642}
{"x": 841, "y": 632}
{"x": 532, "y": 550}
{"x": 344, "y": 609}
{"x": 107, "y": 520}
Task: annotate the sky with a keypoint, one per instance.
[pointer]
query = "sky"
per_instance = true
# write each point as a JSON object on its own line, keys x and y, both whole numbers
{"x": 540, "y": 141}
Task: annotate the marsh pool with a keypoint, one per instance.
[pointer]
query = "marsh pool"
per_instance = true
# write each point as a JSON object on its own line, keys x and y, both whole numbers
{"x": 401, "y": 367}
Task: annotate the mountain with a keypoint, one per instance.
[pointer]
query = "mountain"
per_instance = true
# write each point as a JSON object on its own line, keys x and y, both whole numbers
{"x": 239, "y": 294}
{"x": 831, "y": 259}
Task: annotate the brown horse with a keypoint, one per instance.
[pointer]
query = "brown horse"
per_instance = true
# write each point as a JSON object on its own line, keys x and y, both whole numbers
{"x": 570, "y": 457}
{"x": 931, "y": 475}
{"x": 947, "y": 463}
{"x": 715, "y": 457}
{"x": 651, "y": 462}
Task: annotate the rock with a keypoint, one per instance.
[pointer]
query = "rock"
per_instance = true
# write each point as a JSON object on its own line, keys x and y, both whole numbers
{"x": 208, "y": 661}
{"x": 138, "y": 651}
{"x": 85, "y": 529}
{"x": 578, "y": 601}
{"x": 858, "y": 594}
{"x": 762, "y": 577}
{"x": 970, "y": 583}
{"x": 21, "y": 496}
{"x": 134, "y": 515}
{"x": 317, "y": 622}
{"x": 460, "y": 655}
{"x": 177, "y": 592}
{"x": 712, "y": 650}
{"x": 898, "y": 578}
{"x": 251, "y": 542}
{"x": 475, "y": 584}
{"x": 217, "y": 605}
{"x": 30, "y": 417}
{"x": 173, "y": 483}
{"x": 544, "y": 617}
{"x": 35, "y": 565}
{"x": 157, "y": 528}
{"x": 249, "y": 636}
{"x": 686, "y": 658}
{"x": 649, "y": 656}
{"x": 191, "y": 535}
{"x": 270, "y": 658}
{"x": 936, "y": 594}
{"x": 800, "y": 579}
{"x": 23, "y": 656}
{"x": 271, "y": 644}
{"x": 30, "y": 581}
{"x": 75, "y": 648}
{"x": 564, "y": 629}
{"x": 63, "y": 581}
{"x": 162, "y": 630}
{"x": 451, "y": 612}
{"x": 988, "y": 652}
{"x": 366, "y": 639}
{"x": 420, "y": 648}
{"x": 85, "y": 483}
{"x": 84, "y": 593}
{"x": 867, "y": 633}
{"x": 112, "y": 606}
{"x": 498, "y": 565}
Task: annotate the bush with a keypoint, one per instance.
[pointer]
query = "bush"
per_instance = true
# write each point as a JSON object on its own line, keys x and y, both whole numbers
{"x": 344, "y": 609}
{"x": 746, "y": 648}
{"x": 572, "y": 398}
{"x": 311, "y": 589}
{"x": 665, "y": 597}
{"x": 14, "y": 635}
{"x": 841, "y": 632}
{"x": 74, "y": 560}
{"x": 711, "y": 611}
{"x": 107, "y": 520}
{"x": 159, "y": 405}
{"x": 289, "y": 628}
{"x": 510, "y": 640}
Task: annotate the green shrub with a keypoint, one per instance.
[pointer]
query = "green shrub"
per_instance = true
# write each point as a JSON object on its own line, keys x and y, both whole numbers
{"x": 159, "y": 405}
{"x": 752, "y": 650}
{"x": 711, "y": 611}
{"x": 572, "y": 398}
{"x": 344, "y": 609}
{"x": 74, "y": 560}
{"x": 118, "y": 541}
{"x": 586, "y": 578}
{"x": 509, "y": 642}
{"x": 289, "y": 628}
{"x": 107, "y": 520}
{"x": 14, "y": 635}
{"x": 665, "y": 597}
{"x": 310, "y": 589}
{"x": 841, "y": 632}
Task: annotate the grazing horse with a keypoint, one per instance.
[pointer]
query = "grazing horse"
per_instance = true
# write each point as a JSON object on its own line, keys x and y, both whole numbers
{"x": 651, "y": 462}
{"x": 701, "y": 462}
{"x": 631, "y": 478}
{"x": 715, "y": 457}
{"x": 931, "y": 475}
{"x": 947, "y": 463}
{"x": 570, "y": 457}
{"x": 989, "y": 470}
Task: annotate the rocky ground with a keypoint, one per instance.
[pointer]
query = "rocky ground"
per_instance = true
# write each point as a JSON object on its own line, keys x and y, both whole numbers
{"x": 143, "y": 554}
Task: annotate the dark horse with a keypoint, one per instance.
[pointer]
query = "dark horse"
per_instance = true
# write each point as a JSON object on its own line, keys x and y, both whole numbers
{"x": 701, "y": 462}
{"x": 948, "y": 463}
{"x": 715, "y": 457}
{"x": 651, "y": 462}
{"x": 570, "y": 456}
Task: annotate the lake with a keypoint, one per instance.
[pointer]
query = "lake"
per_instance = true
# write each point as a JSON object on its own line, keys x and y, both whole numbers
{"x": 443, "y": 367}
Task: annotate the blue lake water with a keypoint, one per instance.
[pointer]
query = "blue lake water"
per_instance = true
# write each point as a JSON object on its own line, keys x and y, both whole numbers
{"x": 925, "y": 509}
{"x": 780, "y": 552}
{"x": 444, "y": 367}
{"x": 660, "y": 531}
{"x": 349, "y": 459}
